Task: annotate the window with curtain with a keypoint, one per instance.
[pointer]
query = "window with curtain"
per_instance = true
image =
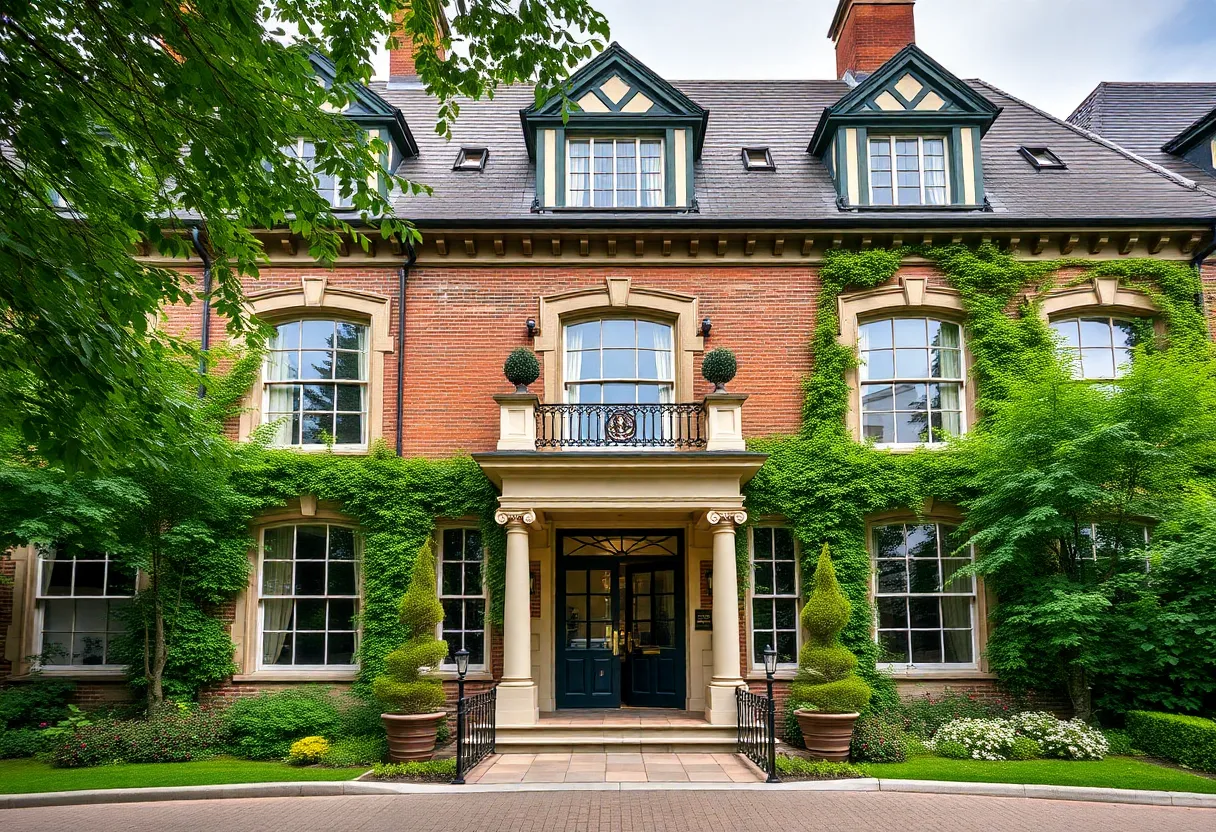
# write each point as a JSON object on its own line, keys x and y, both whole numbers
{"x": 309, "y": 596}
{"x": 463, "y": 595}
{"x": 1097, "y": 347}
{"x": 619, "y": 361}
{"x": 912, "y": 379}
{"x": 328, "y": 185}
{"x": 908, "y": 170}
{"x": 774, "y": 595}
{"x": 80, "y": 596}
{"x": 614, "y": 173}
{"x": 316, "y": 383}
{"x": 926, "y": 610}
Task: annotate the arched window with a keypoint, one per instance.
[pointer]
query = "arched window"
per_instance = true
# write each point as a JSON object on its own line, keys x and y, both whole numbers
{"x": 912, "y": 380}
{"x": 316, "y": 380}
{"x": 619, "y": 361}
{"x": 1097, "y": 347}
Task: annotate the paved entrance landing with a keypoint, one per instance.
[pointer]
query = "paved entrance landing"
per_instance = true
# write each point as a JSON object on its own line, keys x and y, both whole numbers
{"x": 636, "y": 767}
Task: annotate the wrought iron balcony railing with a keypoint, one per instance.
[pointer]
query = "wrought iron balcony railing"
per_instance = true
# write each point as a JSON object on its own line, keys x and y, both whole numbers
{"x": 680, "y": 426}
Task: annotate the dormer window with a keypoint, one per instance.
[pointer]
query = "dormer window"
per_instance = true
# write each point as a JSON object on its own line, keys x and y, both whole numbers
{"x": 758, "y": 158}
{"x": 471, "y": 158}
{"x": 615, "y": 173}
{"x": 1041, "y": 158}
{"x": 908, "y": 170}
{"x": 328, "y": 186}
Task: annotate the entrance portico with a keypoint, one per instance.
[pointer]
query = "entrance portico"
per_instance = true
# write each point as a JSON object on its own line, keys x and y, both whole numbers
{"x": 651, "y": 530}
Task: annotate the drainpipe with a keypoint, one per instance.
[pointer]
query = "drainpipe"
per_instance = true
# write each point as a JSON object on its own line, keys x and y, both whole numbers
{"x": 206, "y": 339}
{"x": 1197, "y": 261}
{"x": 403, "y": 273}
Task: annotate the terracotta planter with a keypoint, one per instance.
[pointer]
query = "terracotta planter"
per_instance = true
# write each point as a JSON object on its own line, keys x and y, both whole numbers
{"x": 826, "y": 736}
{"x": 411, "y": 737}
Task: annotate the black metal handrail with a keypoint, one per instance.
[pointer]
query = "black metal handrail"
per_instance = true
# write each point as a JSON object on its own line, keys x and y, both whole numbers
{"x": 474, "y": 731}
{"x": 757, "y": 737}
{"x": 620, "y": 425}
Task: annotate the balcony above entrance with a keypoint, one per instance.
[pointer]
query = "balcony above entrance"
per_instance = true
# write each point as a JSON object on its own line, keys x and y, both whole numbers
{"x": 714, "y": 424}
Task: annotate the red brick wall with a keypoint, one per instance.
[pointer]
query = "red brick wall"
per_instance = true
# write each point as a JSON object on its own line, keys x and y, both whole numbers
{"x": 872, "y": 34}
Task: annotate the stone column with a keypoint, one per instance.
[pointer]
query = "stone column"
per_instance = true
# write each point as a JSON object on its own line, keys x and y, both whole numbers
{"x": 517, "y": 694}
{"x": 720, "y": 696}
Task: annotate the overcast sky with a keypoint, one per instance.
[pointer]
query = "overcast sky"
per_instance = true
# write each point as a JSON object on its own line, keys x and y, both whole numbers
{"x": 1048, "y": 52}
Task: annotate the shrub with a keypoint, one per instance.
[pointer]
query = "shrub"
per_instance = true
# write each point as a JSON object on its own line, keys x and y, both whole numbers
{"x": 35, "y": 704}
{"x": 361, "y": 718}
{"x": 426, "y": 770}
{"x": 952, "y": 751}
{"x": 826, "y": 678}
{"x": 923, "y": 715}
{"x": 1120, "y": 744}
{"x": 718, "y": 367}
{"x": 307, "y": 751}
{"x": 22, "y": 742}
{"x": 914, "y": 746}
{"x": 1071, "y": 740}
{"x": 355, "y": 751}
{"x": 263, "y": 727}
{"x": 1024, "y": 748}
{"x": 521, "y": 368}
{"x": 169, "y": 736}
{"x": 1189, "y": 740}
{"x": 406, "y": 686}
{"x": 803, "y": 768}
{"x": 875, "y": 740}
{"x": 983, "y": 739}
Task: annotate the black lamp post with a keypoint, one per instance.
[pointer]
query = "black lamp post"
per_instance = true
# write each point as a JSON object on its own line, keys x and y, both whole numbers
{"x": 462, "y": 668}
{"x": 770, "y": 667}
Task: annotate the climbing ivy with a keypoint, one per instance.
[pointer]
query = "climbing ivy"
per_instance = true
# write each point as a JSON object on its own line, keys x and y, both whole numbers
{"x": 825, "y": 483}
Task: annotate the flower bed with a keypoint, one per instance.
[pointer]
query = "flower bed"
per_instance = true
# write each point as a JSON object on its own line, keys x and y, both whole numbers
{"x": 1023, "y": 736}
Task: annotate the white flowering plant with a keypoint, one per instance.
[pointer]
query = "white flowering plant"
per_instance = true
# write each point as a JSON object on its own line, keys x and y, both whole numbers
{"x": 984, "y": 739}
{"x": 993, "y": 739}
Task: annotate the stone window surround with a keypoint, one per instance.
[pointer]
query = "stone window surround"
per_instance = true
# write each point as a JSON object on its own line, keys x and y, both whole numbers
{"x": 246, "y": 623}
{"x": 22, "y": 638}
{"x": 314, "y": 298}
{"x": 933, "y": 512}
{"x": 1099, "y": 294}
{"x": 754, "y": 665}
{"x": 911, "y": 296}
{"x": 617, "y": 297}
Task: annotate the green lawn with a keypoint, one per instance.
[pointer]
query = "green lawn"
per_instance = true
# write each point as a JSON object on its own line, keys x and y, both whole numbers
{"x": 1112, "y": 773}
{"x": 24, "y": 776}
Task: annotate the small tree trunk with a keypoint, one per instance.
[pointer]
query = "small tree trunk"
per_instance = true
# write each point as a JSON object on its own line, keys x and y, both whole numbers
{"x": 1078, "y": 693}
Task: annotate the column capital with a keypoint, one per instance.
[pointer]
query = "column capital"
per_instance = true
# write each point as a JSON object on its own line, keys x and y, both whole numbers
{"x": 725, "y": 519}
{"x": 515, "y": 518}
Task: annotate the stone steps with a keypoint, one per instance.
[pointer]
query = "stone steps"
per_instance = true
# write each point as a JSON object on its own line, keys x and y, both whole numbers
{"x": 537, "y": 739}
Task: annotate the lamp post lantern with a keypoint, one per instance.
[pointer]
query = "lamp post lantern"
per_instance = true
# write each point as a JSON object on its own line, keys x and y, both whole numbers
{"x": 770, "y": 668}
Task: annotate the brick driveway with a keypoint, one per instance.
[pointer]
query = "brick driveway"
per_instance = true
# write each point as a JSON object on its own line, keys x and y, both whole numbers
{"x": 653, "y": 811}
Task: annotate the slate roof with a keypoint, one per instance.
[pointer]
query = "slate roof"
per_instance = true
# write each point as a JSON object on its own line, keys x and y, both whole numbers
{"x": 1102, "y": 182}
{"x": 1144, "y": 116}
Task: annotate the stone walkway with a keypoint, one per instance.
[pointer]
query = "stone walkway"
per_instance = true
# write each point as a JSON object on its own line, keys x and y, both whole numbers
{"x": 635, "y": 767}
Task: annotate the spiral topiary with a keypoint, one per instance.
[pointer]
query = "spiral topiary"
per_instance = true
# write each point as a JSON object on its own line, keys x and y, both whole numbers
{"x": 826, "y": 680}
{"x": 718, "y": 367}
{"x": 406, "y": 686}
{"x": 521, "y": 368}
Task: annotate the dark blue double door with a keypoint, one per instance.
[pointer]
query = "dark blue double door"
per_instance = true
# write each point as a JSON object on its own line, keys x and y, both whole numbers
{"x": 620, "y": 635}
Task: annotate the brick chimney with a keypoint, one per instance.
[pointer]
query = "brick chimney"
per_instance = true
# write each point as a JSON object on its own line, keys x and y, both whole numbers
{"x": 868, "y": 33}
{"x": 401, "y": 59}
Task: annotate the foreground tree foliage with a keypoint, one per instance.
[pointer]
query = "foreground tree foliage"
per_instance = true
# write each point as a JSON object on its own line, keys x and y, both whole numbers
{"x": 1067, "y": 477}
{"x": 171, "y": 520}
{"x": 126, "y": 123}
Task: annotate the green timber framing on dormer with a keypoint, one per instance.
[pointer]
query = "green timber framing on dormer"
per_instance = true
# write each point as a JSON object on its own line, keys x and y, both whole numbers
{"x": 616, "y": 96}
{"x": 377, "y": 117}
{"x": 909, "y": 95}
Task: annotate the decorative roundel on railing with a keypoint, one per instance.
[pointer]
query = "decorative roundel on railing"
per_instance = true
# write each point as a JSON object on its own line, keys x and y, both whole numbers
{"x": 621, "y": 426}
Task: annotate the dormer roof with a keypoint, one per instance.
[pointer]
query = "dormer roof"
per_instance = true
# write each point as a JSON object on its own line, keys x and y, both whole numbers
{"x": 909, "y": 91}
{"x": 368, "y": 109}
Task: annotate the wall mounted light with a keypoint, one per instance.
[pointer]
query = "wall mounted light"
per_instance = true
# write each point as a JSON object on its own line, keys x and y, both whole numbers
{"x": 709, "y": 582}
{"x": 706, "y": 326}
{"x": 532, "y": 330}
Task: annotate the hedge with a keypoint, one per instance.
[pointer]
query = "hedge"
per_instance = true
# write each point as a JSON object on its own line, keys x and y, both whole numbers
{"x": 1189, "y": 740}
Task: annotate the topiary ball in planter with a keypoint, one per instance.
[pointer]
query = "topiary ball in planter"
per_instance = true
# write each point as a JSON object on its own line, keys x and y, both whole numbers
{"x": 521, "y": 368}
{"x": 719, "y": 367}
